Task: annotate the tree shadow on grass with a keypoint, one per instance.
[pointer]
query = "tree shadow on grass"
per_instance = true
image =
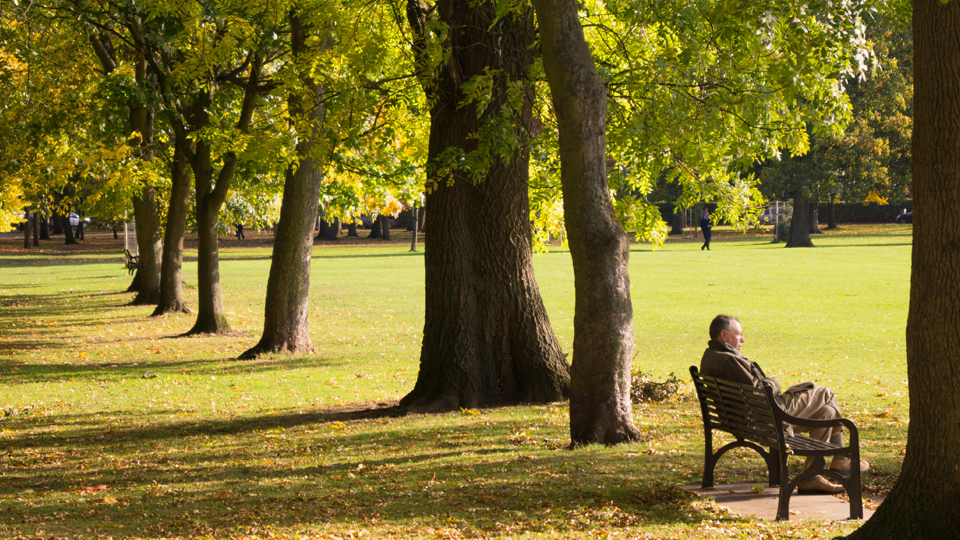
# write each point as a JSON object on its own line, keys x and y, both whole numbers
{"x": 474, "y": 474}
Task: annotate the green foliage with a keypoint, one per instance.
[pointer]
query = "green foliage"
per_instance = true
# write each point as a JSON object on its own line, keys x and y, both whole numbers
{"x": 870, "y": 160}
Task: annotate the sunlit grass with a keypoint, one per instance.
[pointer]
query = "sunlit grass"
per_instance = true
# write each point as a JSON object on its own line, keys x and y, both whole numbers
{"x": 190, "y": 442}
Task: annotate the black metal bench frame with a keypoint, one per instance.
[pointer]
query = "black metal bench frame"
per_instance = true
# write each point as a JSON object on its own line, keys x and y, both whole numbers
{"x": 756, "y": 420}
{"x": 130, "y": 261}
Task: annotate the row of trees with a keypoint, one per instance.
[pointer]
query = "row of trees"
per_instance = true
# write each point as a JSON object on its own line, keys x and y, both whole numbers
{"x": 170, "y": 105}
{"x": 148, "y": 101}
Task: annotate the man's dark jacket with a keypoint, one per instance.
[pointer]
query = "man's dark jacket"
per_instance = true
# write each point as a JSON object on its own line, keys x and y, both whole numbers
{"x": 724, "y": 362}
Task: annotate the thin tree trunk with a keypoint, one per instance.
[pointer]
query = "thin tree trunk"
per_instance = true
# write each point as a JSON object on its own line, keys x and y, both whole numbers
{"x": 923, "y": 502}
{"x": 815, "y": 217}
{"x": 210, "y": 195}
{"x": 36, "y": 230}
{"x": 487, "y": 339}
{"x": 171, "y": 266}
{"x": 149, "y": 247}
{"x": 26, "y": 228}
{"x": 413, "y": 222}
{"x": 831, "y": 215}
{"x": 285, "y": 326}
{"x": 600, "y": 405}
{"x": 800, "y": 223}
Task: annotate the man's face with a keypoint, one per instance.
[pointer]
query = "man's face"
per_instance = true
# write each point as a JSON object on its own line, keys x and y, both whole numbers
{"x": 733, "y": 336}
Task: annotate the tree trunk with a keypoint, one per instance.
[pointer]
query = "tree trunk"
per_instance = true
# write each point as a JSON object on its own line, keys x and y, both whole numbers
{"x": 800, "y": 223}
{"x": 923, "y": 502}
{"x": 57, "y": 224}
{"x": 210, "y": 195}
{"x": 831, "y": 215}
{"x": 384, "y": 226}
{"x": 44, "y": 229}
{"x": 171, "y": 266}
{"x": 676, "y": 223}
{"x": 211, "y": 317}
{"x": 487, "y": 339}
{"x": 375, "y": 229}
{"x": 413, "y": 223}
{"x": 600, "y": 406}
{"x": 26, "y": 228}
{"x": 331, "y": 231}
{"x": 67, "y": 229}
{"x": 149, "y": 247}
{"x": 79, "y": 235}
{"x": 352, "y": 228}
{"x": 285, "y": 325}
{"x": 815, "y": 217}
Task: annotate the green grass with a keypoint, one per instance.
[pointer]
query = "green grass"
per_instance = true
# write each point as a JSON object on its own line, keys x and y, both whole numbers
{"x": 191, "y": 443}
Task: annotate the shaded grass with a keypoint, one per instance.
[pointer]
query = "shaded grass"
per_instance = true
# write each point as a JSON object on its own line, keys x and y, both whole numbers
{"x": 191, "y": 443}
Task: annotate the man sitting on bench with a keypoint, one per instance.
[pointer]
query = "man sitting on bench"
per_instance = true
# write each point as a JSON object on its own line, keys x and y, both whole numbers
{"x": 723, "y": 360}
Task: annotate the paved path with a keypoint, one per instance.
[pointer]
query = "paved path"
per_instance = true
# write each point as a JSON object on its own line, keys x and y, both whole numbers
{"x": 742, "y": 499}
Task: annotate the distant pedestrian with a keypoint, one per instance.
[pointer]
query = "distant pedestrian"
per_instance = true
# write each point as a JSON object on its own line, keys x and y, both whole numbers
{"x": 240, "y": 235}
{"x": 705, "y": 227}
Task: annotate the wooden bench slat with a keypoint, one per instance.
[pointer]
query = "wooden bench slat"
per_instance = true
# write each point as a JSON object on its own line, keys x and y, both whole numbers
{"x": 755, "y": 418}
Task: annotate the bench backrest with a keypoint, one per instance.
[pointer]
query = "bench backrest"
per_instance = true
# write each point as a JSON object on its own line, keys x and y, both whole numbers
{"x": 741, "y": 410}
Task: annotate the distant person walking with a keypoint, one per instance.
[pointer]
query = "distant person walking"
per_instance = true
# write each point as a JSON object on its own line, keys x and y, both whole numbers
{"x": 240, "y": 235}
{"x": 705, "y": 227}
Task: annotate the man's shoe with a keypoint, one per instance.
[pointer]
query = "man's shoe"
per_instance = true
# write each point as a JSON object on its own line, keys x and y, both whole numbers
{"x": 842, "y": 465}
{"x": 818, "y": 485}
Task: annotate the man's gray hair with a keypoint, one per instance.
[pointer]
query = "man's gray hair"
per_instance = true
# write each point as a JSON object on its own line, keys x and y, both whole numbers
{"x": 719, "y": 324}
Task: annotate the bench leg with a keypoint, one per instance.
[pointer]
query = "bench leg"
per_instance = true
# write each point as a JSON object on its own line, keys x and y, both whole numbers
{"x": 786, "y": 487}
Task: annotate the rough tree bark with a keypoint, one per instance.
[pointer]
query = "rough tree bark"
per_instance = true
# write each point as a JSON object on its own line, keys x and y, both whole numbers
{"x": 923, "y": 502}
{"x": 285, "y": 325}
{"x": 831, "y": 215}
{"x": 487, "y": 338}
{"x": 600, "y": 406}
{"x": 171, "y": 266}
{"x": 800, "y": 223}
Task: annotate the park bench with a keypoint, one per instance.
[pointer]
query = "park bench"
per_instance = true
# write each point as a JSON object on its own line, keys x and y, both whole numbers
{"x": 756, "y": 420}
{"x": 131, "y": 261}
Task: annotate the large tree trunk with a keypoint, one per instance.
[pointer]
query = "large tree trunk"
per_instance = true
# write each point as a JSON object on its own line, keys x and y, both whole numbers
{"x": 352, "y": 228}
{"x": 800, "y": 223}
{"x": 600, "y": 406}
{"x": 923, "y": 503}
{"x": 171, "y": 267}
{"x": 44, "y": 230}
{"x": 57, "y": 224}
{"x": 149, "y": 246}
{"x": 487, "y": 339}
{"x": 285, "y": 325}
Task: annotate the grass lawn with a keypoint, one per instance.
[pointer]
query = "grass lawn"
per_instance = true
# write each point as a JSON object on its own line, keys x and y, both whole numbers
{"x": 112, "y": 427}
